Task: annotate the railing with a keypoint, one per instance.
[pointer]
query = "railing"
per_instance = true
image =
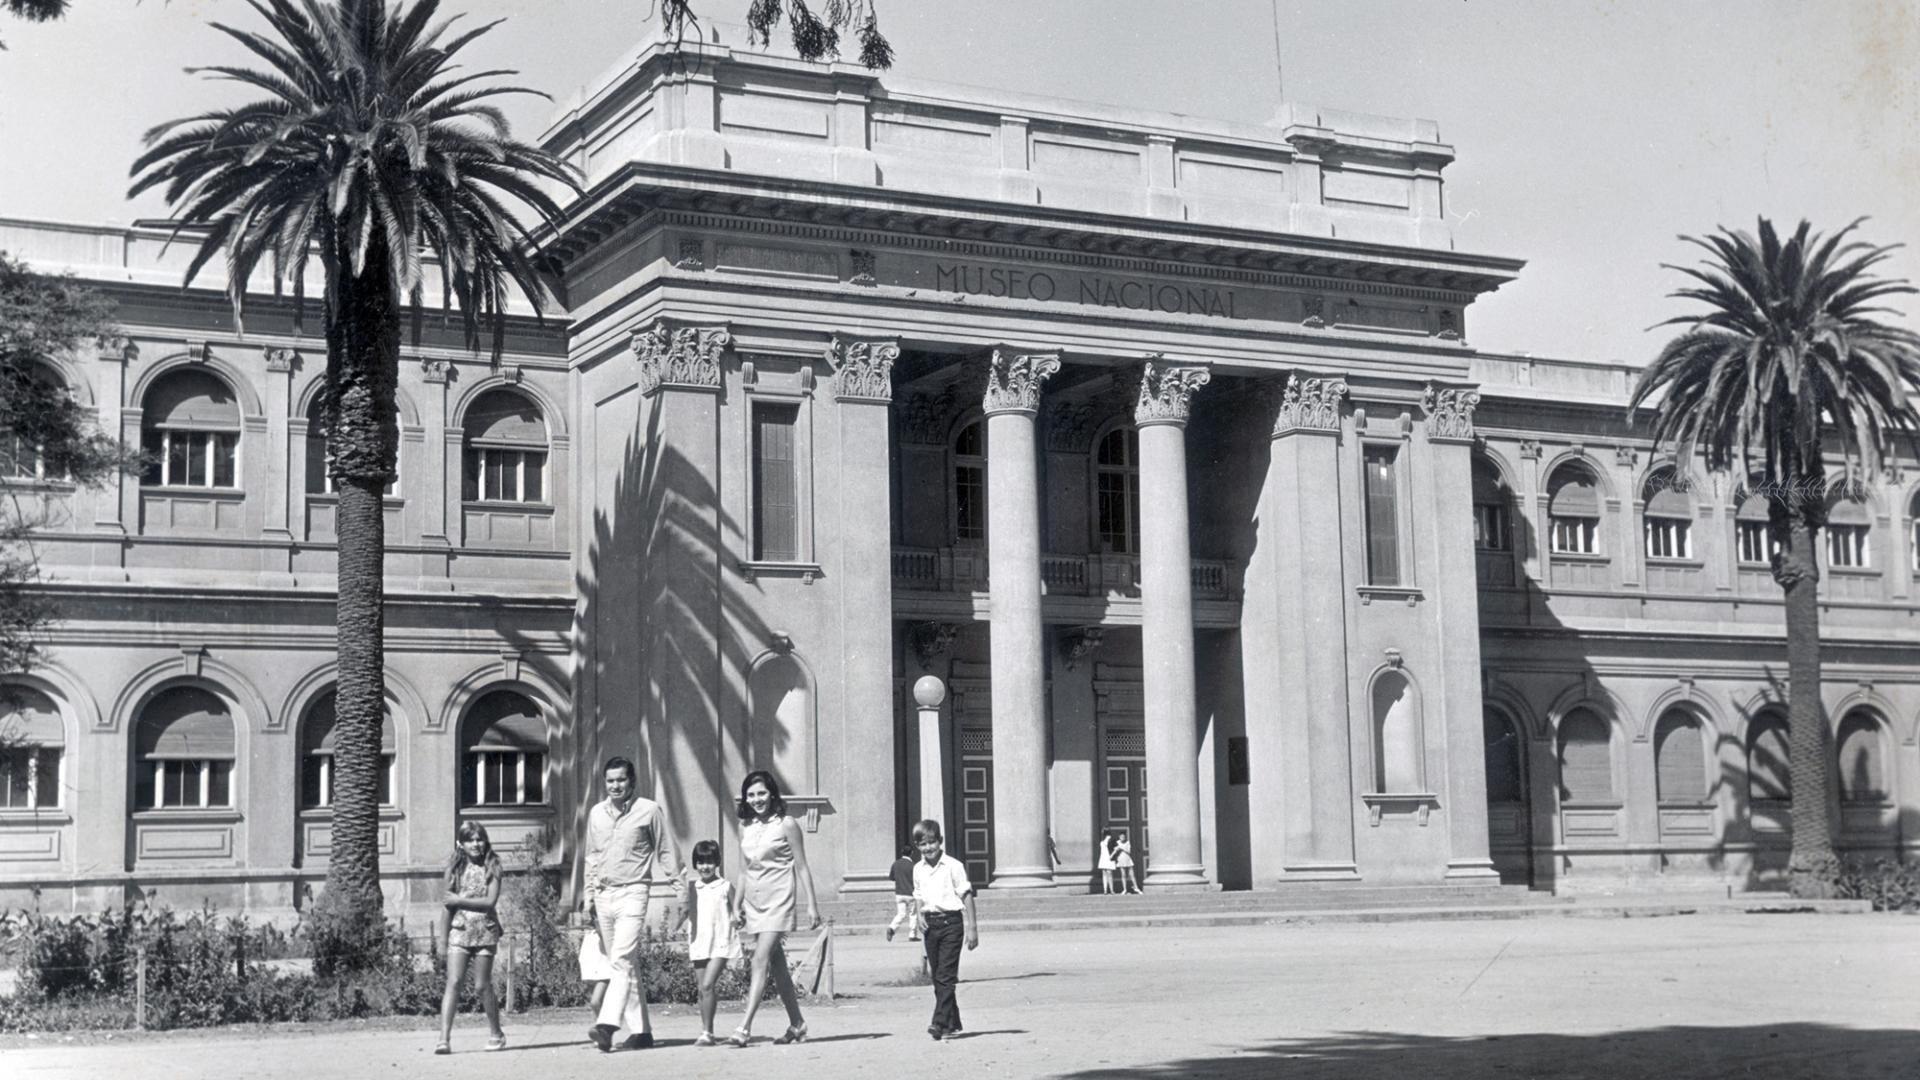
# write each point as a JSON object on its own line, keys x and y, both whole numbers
{"x": 1102, "y": 574}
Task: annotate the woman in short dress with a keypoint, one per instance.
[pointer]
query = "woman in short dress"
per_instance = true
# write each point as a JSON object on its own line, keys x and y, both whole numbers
{"x": 773, "y": 859}
{"x": 1106, "y": 863}
{"x": 1123, "y": 861}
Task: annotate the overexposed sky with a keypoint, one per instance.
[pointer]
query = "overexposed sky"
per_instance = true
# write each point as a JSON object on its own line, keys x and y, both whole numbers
{"x": 1589, "y": 133}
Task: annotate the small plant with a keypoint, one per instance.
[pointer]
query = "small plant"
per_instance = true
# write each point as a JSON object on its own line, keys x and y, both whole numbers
{"x": 1889, "y": 885}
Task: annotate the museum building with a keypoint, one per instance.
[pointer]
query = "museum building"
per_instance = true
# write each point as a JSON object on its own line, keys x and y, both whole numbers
{"x": 1159, "y": 441}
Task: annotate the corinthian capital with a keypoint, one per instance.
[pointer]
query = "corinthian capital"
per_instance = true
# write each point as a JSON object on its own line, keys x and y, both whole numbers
{"x": 863, "y": 370}
{"x": 1166, "y": 393}
{"x": 673, "y": 354}
{"x": 1449, "y": 412}
{"x": 1311, "y": 404}
{"x": 1014, "y": 379}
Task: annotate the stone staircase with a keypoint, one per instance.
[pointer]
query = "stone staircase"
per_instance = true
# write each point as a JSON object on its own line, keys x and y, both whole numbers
{"x": 1024, "y": 909}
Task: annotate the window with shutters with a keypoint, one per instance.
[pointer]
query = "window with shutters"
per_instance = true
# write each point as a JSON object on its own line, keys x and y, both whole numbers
{"x": 23, "y": 460}
{"x": 1117, "y": 491}
{"x": 318, "y": 738}
{"x": 505, "y": 458}
{"x": 776, "y": 483}
{"x": 1492, "y": 519}
{"x": 184, "y": 751}
{"x": 970, "y": 484}
{"x": 1573, "y": 511}
{"x": 1667, "y": 521}
{"x": 1847, "y": 546}
{"x": 1680, "y": 758}
{"x": 1861, "y": 750}
{"x": 190, "y": 430}
{"x": 1380, "y": 483}
{"x": 1768, "y": 779}
{"x": 1752, "y": 532}
{"x": 504, "y": 751}
{"x": 1586, "y": 758}
{"x": 32, "y": 750}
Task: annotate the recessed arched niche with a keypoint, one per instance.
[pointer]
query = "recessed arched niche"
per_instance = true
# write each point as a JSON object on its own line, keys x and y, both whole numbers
{"x": 784, "y": 735}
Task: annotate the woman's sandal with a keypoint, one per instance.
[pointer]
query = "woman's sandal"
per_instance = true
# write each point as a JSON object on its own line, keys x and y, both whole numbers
{"x": 740, "y": 1037}
{"x": 705, "y": 1038}
{"x": 442, "y": 1048}
{"x": 497, "y": 1042}
{"x": 793, "y": 1035}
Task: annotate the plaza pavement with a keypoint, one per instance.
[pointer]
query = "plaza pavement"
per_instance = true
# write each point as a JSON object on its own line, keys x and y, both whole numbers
{"x": 1755, "y": 997}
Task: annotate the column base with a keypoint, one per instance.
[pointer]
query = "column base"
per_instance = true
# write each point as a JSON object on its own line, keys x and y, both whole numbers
{"x": 1472, "y": 870}
{"x": 1022, "y": 877}
{"x": 867, "y": 881}
{"x": 1163, "y": 878}
{"x": 1320, "y": 872}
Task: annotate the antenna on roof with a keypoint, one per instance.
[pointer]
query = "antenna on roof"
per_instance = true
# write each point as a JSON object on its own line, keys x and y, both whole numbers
{"x": 1279, "y": 73}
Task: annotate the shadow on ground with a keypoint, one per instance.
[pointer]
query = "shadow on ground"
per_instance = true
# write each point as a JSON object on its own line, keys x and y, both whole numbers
{"x": 1770, "y": 1052}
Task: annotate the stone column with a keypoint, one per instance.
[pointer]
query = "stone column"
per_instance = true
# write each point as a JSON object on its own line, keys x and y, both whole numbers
{"x": 862, "y": 392}
{"x": 1166, "y": 633}
{"x": 1018, "y": 645}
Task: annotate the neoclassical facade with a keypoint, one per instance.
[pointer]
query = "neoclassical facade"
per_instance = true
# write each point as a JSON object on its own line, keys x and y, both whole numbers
{"x": 1158, "y": 441}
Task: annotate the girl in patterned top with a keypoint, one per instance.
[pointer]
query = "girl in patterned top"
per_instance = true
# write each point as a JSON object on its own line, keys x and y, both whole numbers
{"x": 471, "y": 930}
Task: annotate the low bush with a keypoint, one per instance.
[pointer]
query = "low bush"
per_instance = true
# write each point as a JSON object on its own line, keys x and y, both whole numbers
{"x": 1890, "y": 885}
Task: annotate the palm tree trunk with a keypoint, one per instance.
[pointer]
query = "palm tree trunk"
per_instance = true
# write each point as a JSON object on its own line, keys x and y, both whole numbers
{"x": 362, "y": 365}
{"x": 1812, "y": 866}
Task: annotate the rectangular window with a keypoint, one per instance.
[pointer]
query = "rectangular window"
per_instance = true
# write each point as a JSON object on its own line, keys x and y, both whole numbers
{"x": 180, "y": 783}
{"x": 496, "y": 475}
{"x": 970, "y": 503}
{"x": 776, "y": 484}
{"x": 1669, "y": 538}
{"x": 1756, "y": 542}
{"x": 1847, "y": 546}
{"x": 1383, "y": 515}
{"x": 1576, "y": 536}
{"x": 503, "y": 778}
{"x": 205, "y": 459}
{"x": 316, "y": 780}
{"x": 30, "y": 778}
{"x": 1491, "y": 531}
{"x": 1119, "y": 511}
{"x": 20, "y": 459}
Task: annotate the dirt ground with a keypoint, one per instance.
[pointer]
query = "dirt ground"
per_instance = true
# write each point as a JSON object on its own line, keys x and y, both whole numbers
{"x": 1747, "y": 996}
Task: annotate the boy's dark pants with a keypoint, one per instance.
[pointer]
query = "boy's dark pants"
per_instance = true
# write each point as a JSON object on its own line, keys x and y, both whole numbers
{"x": 946, "y": 935}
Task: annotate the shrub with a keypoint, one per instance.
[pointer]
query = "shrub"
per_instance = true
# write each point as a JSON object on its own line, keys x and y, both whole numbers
{"x": 1890, "y": 885}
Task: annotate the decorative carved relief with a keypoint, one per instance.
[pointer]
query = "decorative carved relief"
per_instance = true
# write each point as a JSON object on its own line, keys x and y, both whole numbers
{"x": 863, "y": 370}
{"x": 1315, "y": 308}
{"x": 1449, "y": 325}
{"x": 931, "y": 639}
{"x": 279, "y": 361}
{"x": 1623, "y": 456}
{"x": 115, "y": 349}
{"x": 1080, "y": 642}
{"x": 436, "y": 371}
{"x": 1311, "y": 404}
{"x": 1449, "y": 412}
{"x": 1530, "y": 449}
{"x": 863, "y": 268}
{"x": 689, "y": 256}
{"x": 512, "y": 375}
{"x": 1166, "y": 393}
{"x": 1070, "y": 426}
{"x": 673, "y": 354}
{"x": 1014, "y": 380}
{"x": 923, "y": 417}
{"x": 199, "y": 352}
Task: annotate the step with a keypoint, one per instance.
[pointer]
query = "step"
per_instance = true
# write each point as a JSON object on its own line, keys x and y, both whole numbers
{"x": 1052, "y": 904}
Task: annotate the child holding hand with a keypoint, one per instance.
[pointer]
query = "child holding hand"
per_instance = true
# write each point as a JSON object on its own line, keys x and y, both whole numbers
{"x": 708, "y": 913}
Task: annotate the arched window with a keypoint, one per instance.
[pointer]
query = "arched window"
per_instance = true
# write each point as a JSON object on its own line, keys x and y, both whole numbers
{"x": 317, "y": 739}
{"x": 1768, "y": 777}
{"x": 970, "y": 484}
{"x": 1680, "y": 758}
{"x": 184, "y": 751}
{"x": 1753, "y": 532}
{"x": 503, "y": 751}
{"x": 1492, "y": 518}
{"x": 506, "y": 450}
{"x": 1849, "y": 530}
{"x": 32, "y": 745}
{"x": 1586, "y": 758}
{"x": 1398, "y": 758}
{"x": 1505, "y": 781}
{"x": 22, "y": 459}
{"x": 190, "y": 429}
{"x": 1117, "y": 491}
{"x": 319, "y": 480}
{"x": 1860, "y": 747}
{"x": 1573, "y": 510}
{"x": 1668, "y": 521}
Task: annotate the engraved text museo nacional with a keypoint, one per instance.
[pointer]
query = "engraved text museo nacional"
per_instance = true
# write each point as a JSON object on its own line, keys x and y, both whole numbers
{"x": 1085, "y": 289}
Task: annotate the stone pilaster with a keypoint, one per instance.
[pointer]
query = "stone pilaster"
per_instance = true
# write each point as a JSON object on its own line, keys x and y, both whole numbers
{"x": 1166, "y": 601}
{"x": 863, "y": 394}
{"x": 1017, "y": 642}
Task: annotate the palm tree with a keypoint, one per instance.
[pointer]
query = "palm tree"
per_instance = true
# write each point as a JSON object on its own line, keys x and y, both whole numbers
{"x": 1788, "y": 362}
{"x": 369, "y": 153}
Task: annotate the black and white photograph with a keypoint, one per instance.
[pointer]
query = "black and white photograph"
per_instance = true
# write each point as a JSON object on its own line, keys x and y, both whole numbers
{"x": 905, "y": 539}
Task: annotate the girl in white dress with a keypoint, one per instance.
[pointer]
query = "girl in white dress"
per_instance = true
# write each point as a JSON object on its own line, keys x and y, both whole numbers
{"x": 1106, "y": 863}
{"x": 708, "y": 914}
{"x": 1123, "y": 860}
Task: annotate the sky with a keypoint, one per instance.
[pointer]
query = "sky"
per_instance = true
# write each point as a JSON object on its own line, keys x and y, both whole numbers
{"x": 1590, "y": 134}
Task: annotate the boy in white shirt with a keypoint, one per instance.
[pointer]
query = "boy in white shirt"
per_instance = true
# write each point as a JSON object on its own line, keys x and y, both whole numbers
{"x": 945, "y": 899}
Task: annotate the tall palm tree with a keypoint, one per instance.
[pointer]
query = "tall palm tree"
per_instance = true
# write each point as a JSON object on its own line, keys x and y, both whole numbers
{"x": 1788, "y": 363}
{"x": 374, "y": 153}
